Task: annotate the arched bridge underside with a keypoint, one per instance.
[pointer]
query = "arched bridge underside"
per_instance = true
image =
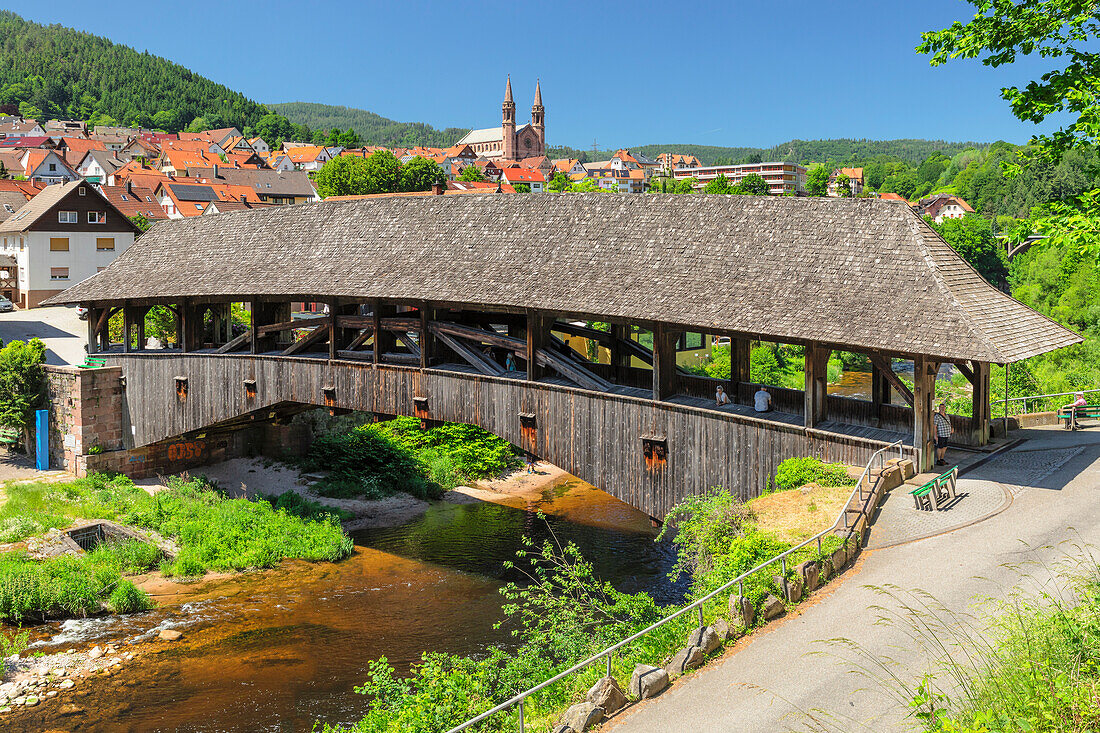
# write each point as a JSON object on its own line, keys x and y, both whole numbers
{"x": 649, "y": 454}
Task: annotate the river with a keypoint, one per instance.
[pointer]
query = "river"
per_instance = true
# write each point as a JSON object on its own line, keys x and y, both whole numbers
{"x": 279, "y": 650}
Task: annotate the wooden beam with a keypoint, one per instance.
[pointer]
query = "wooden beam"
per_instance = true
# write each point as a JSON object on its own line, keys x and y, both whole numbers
{"x": 924, "y": 392}
{"x": 816, "y": 409}
{"x": 236, "y": 343}
{"x": 981, "y": 409}
{"x": 293, "y": 325}
{"x": 538, "y": 337}
{"x": 740, "y": 359}
{"x": 318, "y": 334}
{"x": 664, "y": 362}
{"x": 427, "y": 338}
{"x": 620, "y": 352}
{"x": 572, "y": 371}
{"x": 883, "y": 364}
{"x": 360, "y": 340}
{"x": 475, "y": 358}
{"x": 966, "y": 371}
{"x": 407, "y": 341}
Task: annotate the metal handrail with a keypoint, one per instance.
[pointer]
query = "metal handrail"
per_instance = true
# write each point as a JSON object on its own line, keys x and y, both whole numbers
{"x": 1027, "y": 399}
{"x": 739, "y": 581}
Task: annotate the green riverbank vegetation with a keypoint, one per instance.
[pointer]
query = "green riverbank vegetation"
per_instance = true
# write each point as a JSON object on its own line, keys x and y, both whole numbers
{"x": 379, "y": 459}
{"x": 562, "y": 613}
{"x": 213, "y": 532}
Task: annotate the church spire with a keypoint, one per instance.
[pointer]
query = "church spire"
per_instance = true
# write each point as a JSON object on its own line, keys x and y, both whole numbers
{"x": 508, "y": 90}
{"x": 538, "y": 93}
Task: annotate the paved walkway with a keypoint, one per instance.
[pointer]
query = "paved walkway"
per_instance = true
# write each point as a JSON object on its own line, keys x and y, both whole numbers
{"x": 787, "y": 672}
{"x": 61, "y": 330}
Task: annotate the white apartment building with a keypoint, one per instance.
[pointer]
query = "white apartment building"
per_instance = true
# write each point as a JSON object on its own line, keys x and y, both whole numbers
{"x": 782, "y": 178}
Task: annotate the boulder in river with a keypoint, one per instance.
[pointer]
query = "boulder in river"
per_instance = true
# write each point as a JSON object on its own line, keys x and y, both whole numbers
{"x": 170, "y": 635}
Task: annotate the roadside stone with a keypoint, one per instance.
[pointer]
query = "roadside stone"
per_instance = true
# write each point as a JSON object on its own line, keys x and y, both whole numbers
{"x": 838, "y": 559}
{"x": 722, "y": 628}
{"x": 169, "y": 635}
{"x": 810, "y": 572}
{"x": 582, "y": 716}
{"x": 95, "y": 653}
{"x": 564, "y": 729}
{"x": 706, "y": 638}
{"x": 607, "y": 694}
{"x": 685, "y": 659}
{"x": 647, "y": 681}
{"x": 771, "y": 607}
{"x": 741, "y": 611}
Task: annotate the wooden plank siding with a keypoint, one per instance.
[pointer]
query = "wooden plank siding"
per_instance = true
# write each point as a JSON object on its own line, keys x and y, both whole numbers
{"x": 596, "y": 436}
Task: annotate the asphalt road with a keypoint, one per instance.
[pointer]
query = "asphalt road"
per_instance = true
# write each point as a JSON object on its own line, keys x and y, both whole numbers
{"x": 792, "y": 678}
{"x": 63, "y": 333}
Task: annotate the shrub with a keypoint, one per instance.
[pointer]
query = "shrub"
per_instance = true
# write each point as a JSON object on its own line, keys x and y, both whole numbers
{"x": 764, "y": 367}
{"x": 128, "y": 598}
{"x": 10, "y": 646}
{"x": 130, "y": 556}
{"x": 297, "y": 505}
{"x": 370, "y": 459}
{"x": 795, "y": 472}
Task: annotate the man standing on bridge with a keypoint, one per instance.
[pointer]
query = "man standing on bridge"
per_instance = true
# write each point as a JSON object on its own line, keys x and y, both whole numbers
{"x": 943, "y": 432}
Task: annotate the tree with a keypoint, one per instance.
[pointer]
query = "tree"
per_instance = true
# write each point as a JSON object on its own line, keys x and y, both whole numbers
{"x": 755, "y": 185}
{"x": 383, "y": 172}
{"x": 141, "y": 222}
{"x": 763, "y": 366}
{"x": 521, "y": 188}
{"x": 972, "y": 237}
{"x": 420, "y": 174}
{"x": 684, "y": 185}
{"x": 473, "y": 173}
{"x": 817, "y": 180}
{"x": 559, "y": 183}
{"x": 843, "y": 186}
{"x": 274, "y": 129}
{"x": 720, "y": 184}
{"x": 1050, "y": 29}
{"x": 22, "y": 382}
{"x": 344, "y": 175}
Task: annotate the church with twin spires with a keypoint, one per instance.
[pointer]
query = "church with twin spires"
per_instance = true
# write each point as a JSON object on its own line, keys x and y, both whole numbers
{"x": 506, "y": 141}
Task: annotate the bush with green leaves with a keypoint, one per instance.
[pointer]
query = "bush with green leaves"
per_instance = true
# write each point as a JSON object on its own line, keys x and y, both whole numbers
{"x": 22, "y": 382}
{"x": 795, "y": 472}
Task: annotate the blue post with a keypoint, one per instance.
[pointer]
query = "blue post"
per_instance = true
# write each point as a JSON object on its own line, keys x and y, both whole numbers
{"x": 42, "y": 440}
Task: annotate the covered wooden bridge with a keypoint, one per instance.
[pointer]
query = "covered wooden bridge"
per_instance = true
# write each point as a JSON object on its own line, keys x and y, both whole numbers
{"x": 468, "y": 309}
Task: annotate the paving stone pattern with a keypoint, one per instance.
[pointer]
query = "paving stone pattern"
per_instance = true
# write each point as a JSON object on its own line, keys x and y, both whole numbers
{"x": 900, "y": 521}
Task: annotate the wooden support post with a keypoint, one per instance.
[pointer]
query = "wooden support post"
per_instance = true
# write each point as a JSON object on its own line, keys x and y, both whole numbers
{"x": 334, "y": 334}
{"x": 266, "y": 314}
{"x": 127, "y": 328}
{"x": 817, "y": 385}
{"x": 620, "y": 357}
{"x": 191, "y": 326}
{"x": 93, "y": 319}
{"x": 376, "y": 327}
{"x": 139, "y": 318}
{"x": 924, "y": 392}
{"x": 427, "y": 340}
{"x": 981, "y": 409}
{"x": 740, "y": 371}
{"x": 538, "y": 337}
{"x": 665, "y": 381}
{"x": 880, "y": 392}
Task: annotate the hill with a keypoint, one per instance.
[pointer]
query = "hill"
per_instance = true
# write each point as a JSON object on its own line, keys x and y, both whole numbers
{"x": 374, "y": 129}
{"x": 53, "y": 71}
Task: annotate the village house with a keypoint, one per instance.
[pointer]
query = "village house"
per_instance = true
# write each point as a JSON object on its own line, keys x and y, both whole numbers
{"x": 259, "y": 145}
{"x": 20, "y": 129}
{"x": 134, "y": 200}
{"x": 855, "y": 181}
{"x": 183, "y": 200}
{"x": 943, "y": 206}
{"x": 65, "y": 234}
{"x": 568, "y": 166}
{"x": 272, "y": 187}
{"x": 140, "y": 148}
{"x": 47, "y": 166}
{"x": 308, "y": 157}
{"x": 13, "y": 194}
{"x": 526, "y": 176}
{"x": 98, "y": 166}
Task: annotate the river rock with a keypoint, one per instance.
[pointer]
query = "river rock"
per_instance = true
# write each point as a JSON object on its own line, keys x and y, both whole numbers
{"x": 685, "y": 659}
{"x": 742, "y": 611}
{"x": 31, "y": 701}
{"x": 67, "y": 684}
{"x": 95, "y": 653}
{"x": 607, "y": 694}
{"x": 722, "y": 628}
{"x": 706, "y": 638}
{"x": 810, "y": 572}
{"x": 51, "y": 693}
{"x": 70, "y": 709}
{"x": 647, "y": 681}
{"x": 169, "y": 635}
{"x": 582, "y": 716}
{"x": 771, "y": 607}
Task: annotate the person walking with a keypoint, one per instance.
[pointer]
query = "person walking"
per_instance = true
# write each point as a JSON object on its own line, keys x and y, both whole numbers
{"x": 943, "y": 433}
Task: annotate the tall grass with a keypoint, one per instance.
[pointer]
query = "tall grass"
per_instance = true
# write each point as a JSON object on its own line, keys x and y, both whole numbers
{"x": 1028, "y": 662}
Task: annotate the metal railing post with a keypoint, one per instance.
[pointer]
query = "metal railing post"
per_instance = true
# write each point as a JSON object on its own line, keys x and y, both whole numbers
{"x": 609, "y": 663}
{"x": 521, "y": 716}
{"x": 700, "y": 614}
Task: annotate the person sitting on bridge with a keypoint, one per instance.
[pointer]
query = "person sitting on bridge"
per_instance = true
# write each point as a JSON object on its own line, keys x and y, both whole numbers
{"x": 943, "y": 432}
{"x": 1072, "y": 407}
{"x": 720, "y": 396}
{"x": 762, "y": 400}
{"x": 510, "y": 362}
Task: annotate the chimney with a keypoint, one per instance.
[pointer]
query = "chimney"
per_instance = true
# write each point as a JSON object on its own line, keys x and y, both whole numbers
{"x": 243, "y": 198}
{"x": 437, "y": 189}
{"x": 215, "y": 170}
{"x": 129, "y": 187}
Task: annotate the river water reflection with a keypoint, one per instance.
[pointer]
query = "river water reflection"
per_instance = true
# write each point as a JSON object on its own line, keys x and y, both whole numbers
{"x": 278, "y": 651}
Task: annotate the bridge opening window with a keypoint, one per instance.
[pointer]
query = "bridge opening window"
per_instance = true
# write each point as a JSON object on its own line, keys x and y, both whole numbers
{"x": 655, "y": 451}
{"x": 250, "y": 389}
{"x": 181, "y": 388}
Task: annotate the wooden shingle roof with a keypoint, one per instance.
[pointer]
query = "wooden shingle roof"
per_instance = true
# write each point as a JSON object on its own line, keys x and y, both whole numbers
{"x": 857, "y": 273}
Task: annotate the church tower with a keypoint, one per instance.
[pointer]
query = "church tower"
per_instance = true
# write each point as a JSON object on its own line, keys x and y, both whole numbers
{"x": 538, "y": 118}
{"x": 508, "y": 123}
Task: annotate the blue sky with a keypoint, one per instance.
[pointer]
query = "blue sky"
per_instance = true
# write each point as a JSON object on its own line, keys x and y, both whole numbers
{"x": 620, "y": 73}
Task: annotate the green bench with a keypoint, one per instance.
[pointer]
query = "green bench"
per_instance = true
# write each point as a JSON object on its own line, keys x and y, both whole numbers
{"x": 937, "y": 492}
{"x": 1084, "y": 411}
{"x": 92, "y": 362}
{"x": 9, "y": 436}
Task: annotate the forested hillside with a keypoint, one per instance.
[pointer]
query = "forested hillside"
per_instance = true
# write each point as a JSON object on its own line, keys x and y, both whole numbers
{"x": 372, "y": 128}
{"x": 52, "y": 72}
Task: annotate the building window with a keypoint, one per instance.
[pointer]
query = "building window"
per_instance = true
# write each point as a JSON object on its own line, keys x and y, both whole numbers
{"x": 67, "y": 217}
{"x": 97, "y": 217}
{"x": 81, "y": 191}
{"x": 59, "y": 244}
{"x": 59, "y": 273}
{"x": 124, "y": 197}
{"x": 53, "y": 167}
{"x": 104, "y": 243}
